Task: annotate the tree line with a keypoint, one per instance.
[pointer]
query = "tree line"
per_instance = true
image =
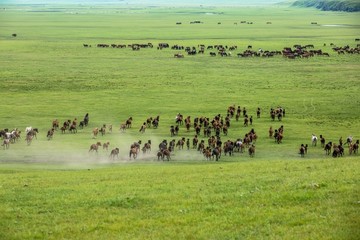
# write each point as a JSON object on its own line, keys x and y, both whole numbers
{"x": 330, "y": 5}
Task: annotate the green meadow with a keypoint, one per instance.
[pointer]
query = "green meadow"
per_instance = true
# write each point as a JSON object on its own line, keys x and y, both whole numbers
{"x": 57, "y": 189}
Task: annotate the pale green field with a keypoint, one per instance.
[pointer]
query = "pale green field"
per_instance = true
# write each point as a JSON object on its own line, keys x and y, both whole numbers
{"x": 53, "y": 189}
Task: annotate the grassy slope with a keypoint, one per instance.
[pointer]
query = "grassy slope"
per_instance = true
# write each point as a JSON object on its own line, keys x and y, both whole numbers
{"x": 48, "y": 74}
{"x": 277, "y": 199}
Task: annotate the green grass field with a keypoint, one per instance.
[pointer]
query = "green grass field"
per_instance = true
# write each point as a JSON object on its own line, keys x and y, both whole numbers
{"x": 58, "y": 190}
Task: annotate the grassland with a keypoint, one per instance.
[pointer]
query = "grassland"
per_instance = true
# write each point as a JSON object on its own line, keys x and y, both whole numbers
{"x": 56, "y": 189}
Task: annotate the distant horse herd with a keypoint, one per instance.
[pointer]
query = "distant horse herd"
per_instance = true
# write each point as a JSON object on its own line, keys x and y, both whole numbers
{"x": 296, "y": 51}
{"x": 207, "y": 138}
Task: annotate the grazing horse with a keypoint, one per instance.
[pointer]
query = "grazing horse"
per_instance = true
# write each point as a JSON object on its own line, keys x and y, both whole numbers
{"x": 314, "y": 140}
{"x": 95, "y": 147}
{"x": 252, "y": 150}
{"x": 114, "y": 153}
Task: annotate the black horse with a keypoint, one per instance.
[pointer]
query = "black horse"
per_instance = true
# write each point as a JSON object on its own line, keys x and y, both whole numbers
{"x": 86, "y": 119}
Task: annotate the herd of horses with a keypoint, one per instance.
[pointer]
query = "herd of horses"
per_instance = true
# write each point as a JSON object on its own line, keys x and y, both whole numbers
{"x": 207, "y": 139}
{"x": 296, "y": 51}
{"x": 213, "y": 129}
{"x": 335, "y": 149}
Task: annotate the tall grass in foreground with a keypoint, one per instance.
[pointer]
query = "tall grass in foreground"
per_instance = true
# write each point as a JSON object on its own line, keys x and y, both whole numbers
{"x": 284, "y": 199}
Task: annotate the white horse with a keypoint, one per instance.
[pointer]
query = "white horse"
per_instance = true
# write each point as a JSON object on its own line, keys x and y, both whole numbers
{"x": 28, "y": 129}
{"x": 314, "y": 140}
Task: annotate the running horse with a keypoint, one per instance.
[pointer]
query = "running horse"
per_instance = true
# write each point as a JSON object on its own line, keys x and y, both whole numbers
{"x": 314, "y": 140}
{"x": 133, "y": 152}
{"x": 95, "y": 147}
{"x": 114, "y": 153}
{"x": 252, "y": 150}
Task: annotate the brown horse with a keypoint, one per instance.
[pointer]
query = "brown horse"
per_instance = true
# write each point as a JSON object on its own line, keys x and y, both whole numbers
{"x": 166, "y": 153}
{"x": 327, "y": 148}
{"x": 114, "y": 153}
{"x": 216, "y": 153}
{"x": 29, "y": 139}
{"x": 128, "y": 122}
{"x": 95, "y": 132}
{"x": 207, "y": 153}
{"x": 252, "y": 150}
{"x": 133, "y": 152}
{"x": 55, "y": 124}
{"x": 302, "y": 150}
{"x": 106, "y": 145}
{"x": 160, "y": 155}
{"x": 6, "y": 143}
{"x": 147, "y": 147}
{"x": 123, "y": 127}
{"x": 94, "y": 147}
{"x": 354, "y": 147}
{"x": 50, "y": 134}
{"x": 180, "y": 143}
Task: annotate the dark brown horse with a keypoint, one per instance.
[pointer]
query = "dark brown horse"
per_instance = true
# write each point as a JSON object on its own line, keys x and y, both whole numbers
{"x": 128, "y": 122}
{"x": 328, "y": 147}
{"x": 252, "y": 150}
{"x": 166, "y": 154}
{"x": 216, "y": 153}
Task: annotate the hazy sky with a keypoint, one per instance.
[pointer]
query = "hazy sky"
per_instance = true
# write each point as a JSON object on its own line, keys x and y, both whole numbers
{"x": 149, "y": 2}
